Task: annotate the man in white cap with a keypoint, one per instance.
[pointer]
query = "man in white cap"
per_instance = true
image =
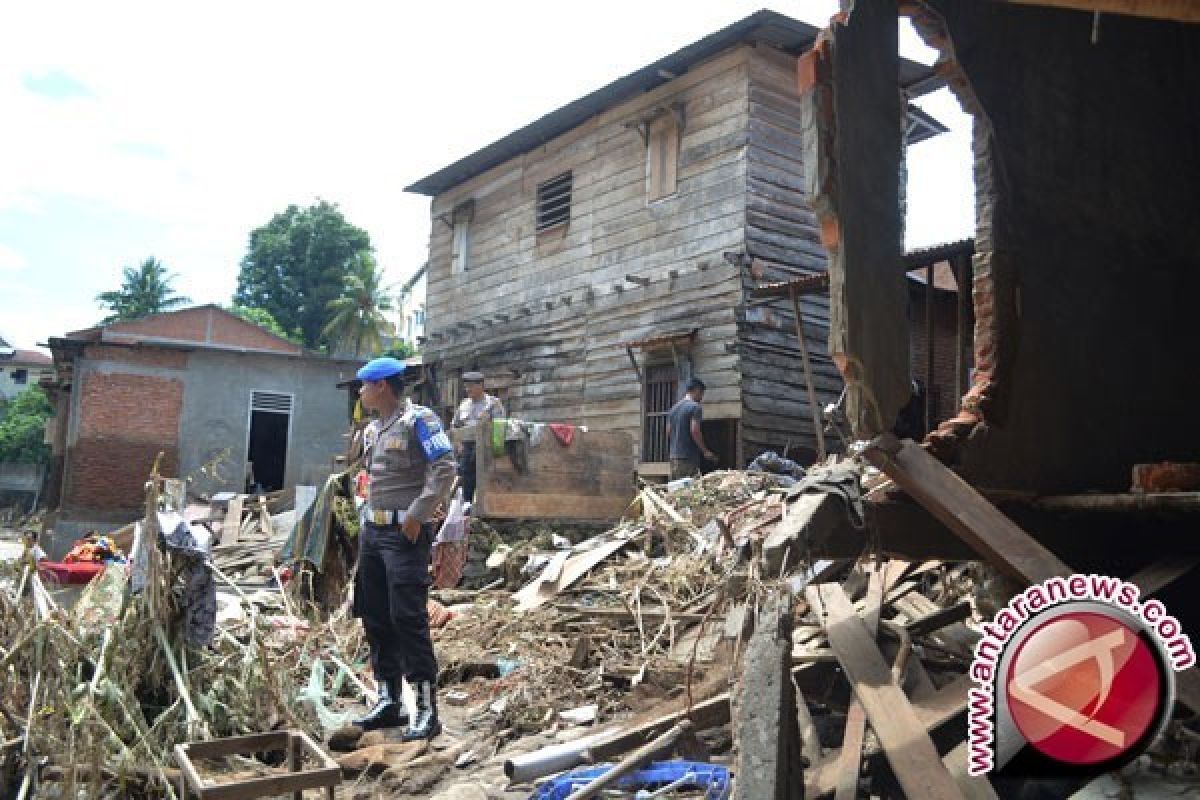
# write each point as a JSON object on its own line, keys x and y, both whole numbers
{"x": 469, "y": 411}
{"x": 410, "y": 471}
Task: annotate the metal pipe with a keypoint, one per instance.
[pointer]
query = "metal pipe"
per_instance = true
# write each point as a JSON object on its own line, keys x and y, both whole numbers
{"x": 529, "y": 767}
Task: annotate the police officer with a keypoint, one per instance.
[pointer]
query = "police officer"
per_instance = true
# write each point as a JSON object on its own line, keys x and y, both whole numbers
{"x": 411, "y": 469}
{"x": 469, "y": 411}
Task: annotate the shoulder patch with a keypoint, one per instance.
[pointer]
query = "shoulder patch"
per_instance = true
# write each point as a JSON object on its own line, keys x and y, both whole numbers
{"x": 434, "y": 441}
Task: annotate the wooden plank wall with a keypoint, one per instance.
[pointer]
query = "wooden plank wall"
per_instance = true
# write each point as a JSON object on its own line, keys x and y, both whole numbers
{"x": 590, "y": 479}
{"x": 560, "y": 352}
{"x": 783, "y": 238}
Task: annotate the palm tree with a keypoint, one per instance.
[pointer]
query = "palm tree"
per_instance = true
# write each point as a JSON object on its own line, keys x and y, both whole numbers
{"x": 358, "y": 318}
{"x": 145, "y": 290}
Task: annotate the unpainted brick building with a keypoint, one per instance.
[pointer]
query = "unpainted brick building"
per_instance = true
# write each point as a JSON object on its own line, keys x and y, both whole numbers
{"x": 225, "y": 402}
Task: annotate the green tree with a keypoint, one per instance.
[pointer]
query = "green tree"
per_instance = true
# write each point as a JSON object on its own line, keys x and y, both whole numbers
{"x": 263, "y": 318}
{"x": 145, "y": 290}
{"x": 400, "y": 349}
{"x": 22, "y": 428}
{"x": 358, "y": 321}
{"x": 297, "y": 263}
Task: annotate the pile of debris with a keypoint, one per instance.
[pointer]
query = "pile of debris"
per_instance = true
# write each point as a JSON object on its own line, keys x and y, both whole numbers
{"x": 693, "y": 645}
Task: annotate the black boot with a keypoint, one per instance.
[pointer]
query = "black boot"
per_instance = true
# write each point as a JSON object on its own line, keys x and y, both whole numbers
{"x": 425, "y": 723}
{"x": 388, "y": 711}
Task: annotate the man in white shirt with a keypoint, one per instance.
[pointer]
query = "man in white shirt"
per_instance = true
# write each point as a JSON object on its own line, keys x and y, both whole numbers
{"x": 467, "y": 416}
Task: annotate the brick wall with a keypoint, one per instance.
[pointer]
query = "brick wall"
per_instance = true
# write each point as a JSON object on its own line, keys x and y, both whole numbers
{"x": 125, "y": 421}
{"x": 143, "y": 357}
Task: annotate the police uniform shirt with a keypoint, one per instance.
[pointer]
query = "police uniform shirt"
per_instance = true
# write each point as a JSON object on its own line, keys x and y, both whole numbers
{"x": 469, "y": 411}
{"x": 401, "y": 447}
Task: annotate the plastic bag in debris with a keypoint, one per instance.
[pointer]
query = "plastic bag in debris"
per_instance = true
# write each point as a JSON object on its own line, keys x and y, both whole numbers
{"x": 314, "y": 694}
{"x": 772, "y": 462}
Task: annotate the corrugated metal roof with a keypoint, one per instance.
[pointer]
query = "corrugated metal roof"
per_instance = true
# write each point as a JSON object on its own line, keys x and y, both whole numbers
{"x": 787, "y": 34}
{"x": 937, "y": 252}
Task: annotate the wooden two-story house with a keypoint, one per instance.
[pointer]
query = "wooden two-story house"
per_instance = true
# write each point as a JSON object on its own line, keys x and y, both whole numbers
{"x": 592, "y": 261}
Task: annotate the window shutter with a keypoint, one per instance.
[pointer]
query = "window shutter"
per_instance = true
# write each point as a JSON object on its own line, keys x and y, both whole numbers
{"x": 273, "y": 402}
{"x": 662, "y": 158}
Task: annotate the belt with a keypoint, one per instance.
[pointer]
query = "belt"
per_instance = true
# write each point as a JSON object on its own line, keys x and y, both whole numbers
{"x": 384, "y": 517}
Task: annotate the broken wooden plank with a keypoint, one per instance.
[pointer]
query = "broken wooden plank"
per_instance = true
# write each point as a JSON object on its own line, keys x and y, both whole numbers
{"x": 974, "y": 787}
{"x": 850, "y": 763}
{"x": 1156, "y": 576}
{"x": 961, "y": 508}
{"x": 964, "y": 510}
{"x": 938, "y": 619}
{"x": 538, "y": 592}
{"x": 232, "y": 525}
{"x": 907, "y": 746}
{"x": 933, "y": 711}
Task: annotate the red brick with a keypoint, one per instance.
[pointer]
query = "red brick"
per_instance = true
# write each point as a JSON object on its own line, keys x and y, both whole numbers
{"x": 125, "y": 422}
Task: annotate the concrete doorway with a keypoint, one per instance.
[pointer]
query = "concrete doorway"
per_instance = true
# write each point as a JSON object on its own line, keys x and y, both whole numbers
{"x": 267, "y": 442}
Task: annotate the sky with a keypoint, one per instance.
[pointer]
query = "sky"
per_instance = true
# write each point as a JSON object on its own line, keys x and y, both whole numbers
{"x": 172, "y": 130}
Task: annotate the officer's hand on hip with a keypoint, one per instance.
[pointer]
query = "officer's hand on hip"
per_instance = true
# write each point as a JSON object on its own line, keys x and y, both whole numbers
{"x": 412, "y": 528}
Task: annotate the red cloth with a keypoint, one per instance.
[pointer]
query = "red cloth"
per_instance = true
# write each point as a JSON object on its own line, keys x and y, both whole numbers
{"x": 74, "y": 574}
{"x": 563, "y": 432}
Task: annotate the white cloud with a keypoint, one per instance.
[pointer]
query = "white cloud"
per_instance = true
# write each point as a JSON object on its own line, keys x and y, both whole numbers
{"x": 201, "y": 121}
{"x": 11, "y": 260}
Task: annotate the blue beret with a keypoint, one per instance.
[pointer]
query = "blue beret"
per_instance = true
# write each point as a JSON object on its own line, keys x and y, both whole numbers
{"x": 379, "y": 368}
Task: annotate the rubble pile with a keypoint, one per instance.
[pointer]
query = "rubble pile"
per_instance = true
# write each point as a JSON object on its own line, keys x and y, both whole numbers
{"x": 690, "y": 645}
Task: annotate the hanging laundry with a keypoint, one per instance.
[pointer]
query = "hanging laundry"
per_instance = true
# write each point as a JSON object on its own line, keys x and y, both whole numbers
{"x": 563, "y": 432}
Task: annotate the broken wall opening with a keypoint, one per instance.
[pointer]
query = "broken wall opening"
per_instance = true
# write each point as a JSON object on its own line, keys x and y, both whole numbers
{"x": 1087, "y": 259}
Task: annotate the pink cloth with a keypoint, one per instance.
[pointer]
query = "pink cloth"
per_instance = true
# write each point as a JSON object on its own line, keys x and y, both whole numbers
{"x": 563, "y": 432}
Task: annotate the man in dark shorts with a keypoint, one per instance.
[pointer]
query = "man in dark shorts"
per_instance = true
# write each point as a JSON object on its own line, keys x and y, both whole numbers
{"x": 689, "y": 454}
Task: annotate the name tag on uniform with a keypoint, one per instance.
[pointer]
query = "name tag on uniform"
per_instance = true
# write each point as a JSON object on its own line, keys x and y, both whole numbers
{"x": 393, "y": 443}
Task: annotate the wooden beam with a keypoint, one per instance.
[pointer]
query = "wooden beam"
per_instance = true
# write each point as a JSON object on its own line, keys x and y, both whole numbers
{"x": 962, "y": 276}
{"x": 939, "y": 619}
{"x": 934, "y": 711}
{"x": 906, "y": 744}
{"x": 850, "y": 763}
{"x": 956, "y": 503}
{"x": 818, "y": 428}
{"x": 996, "y": 537}
{"x": 1162, "y": 573}
{"x": 231, "y": 527}
{"x": 1178, "y": 10}
{"x": 929, "y": 347}
{"x": 1122, "y": 502}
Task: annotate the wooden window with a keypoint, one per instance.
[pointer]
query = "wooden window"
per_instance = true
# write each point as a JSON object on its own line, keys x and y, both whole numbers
{"x": 554, "y": 202}
{"x": 658, "y": 396}
{"x": 662, "y": 157}
{"x": 459, "y": 245}
{"x": 20, "y": 376}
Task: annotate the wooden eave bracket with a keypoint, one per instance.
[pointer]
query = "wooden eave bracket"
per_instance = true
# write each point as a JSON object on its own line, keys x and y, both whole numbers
{"x": 641, "y": 122}
{"x": 633, "y": 361}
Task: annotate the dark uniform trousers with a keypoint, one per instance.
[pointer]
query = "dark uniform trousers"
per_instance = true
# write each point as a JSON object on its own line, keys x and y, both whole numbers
{"x": 390, "y": 595}
{"x": 466, "y": 471}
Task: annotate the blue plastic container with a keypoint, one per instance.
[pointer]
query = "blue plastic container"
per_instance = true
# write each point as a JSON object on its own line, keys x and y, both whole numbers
{"x": 716, "y": 780}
